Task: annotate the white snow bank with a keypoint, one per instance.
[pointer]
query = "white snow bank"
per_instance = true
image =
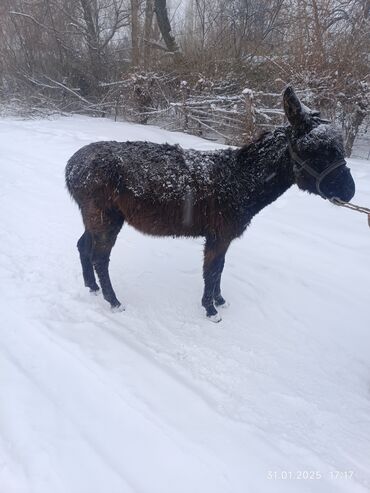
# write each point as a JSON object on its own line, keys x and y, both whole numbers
{"x": 157, "y": 399}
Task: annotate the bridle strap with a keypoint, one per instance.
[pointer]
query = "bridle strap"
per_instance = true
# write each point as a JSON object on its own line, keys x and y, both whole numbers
{"x": 318, "y": 176}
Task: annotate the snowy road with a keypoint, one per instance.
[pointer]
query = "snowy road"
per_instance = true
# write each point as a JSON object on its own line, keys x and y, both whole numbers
{"x": 157, "y": 399}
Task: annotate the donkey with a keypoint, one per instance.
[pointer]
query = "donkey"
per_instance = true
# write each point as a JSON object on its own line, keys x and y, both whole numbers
{"x": 164, "y": 190}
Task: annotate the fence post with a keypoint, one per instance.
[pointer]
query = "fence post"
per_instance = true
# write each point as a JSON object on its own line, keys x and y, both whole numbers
{"x": 250, "y": 116}
{"x": 116, "y": 109}
{"x": 185, "y": 94}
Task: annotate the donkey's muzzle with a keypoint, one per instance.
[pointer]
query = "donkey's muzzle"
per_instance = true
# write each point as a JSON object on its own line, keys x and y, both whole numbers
{"x": 340, "y": 185}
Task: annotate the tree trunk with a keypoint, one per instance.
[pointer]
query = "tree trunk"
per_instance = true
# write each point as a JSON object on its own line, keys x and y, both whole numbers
{"x": 165, "y": 26}
{"x": 352, "y": 126}
{"x": 135, "y": 32}
{"x": 90, "y": 15}
{"x": 149, "y": 11}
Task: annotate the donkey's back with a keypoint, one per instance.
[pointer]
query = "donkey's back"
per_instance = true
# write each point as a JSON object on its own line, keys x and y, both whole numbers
{"x": 157, "y": 172}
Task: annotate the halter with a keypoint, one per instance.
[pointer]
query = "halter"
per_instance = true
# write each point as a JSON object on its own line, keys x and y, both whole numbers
{"x": 319, "y": 176}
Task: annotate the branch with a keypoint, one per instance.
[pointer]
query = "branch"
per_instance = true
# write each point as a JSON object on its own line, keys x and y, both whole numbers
{"x": 33, "y": 19}
{"x": 68, "y": 89}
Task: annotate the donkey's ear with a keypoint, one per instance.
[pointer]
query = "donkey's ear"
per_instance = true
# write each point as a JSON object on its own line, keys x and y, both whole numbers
{"x": 298, "y": 115}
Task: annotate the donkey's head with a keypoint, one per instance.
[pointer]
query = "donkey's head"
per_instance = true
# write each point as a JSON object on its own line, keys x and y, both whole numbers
{"x": 317, "y": 150}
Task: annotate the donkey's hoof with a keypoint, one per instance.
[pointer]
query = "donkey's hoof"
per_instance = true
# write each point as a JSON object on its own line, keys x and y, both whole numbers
{"x": 118, "y": 308}
{"x": 94, "y": 292}
{"x": 213, "y": 315}
{"x": 214, "y": 318}
{"x": 92, "y": 285}
{"x": 221, "y": 302}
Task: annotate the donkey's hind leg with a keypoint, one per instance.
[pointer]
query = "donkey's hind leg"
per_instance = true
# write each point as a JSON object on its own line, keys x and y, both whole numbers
{"x": 103, "y": 226}
{"x": 84, "y": 246}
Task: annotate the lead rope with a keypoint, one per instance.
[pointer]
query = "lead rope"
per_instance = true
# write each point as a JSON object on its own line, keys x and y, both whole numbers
{"x": 353, "y": 207}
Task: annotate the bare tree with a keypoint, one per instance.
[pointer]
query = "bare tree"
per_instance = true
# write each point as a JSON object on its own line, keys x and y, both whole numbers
{"x": 165, "y": 26}
{"x": 91, "y": 54}
{"x": 148, "y": 22}
{"x": 135, "y": 32}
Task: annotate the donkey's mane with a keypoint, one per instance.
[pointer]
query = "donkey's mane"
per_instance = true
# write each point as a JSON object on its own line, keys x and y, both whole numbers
{"x": 265, "y": 153}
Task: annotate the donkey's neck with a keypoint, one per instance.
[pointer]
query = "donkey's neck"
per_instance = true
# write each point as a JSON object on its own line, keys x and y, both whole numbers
{"x": 265, "y": 169}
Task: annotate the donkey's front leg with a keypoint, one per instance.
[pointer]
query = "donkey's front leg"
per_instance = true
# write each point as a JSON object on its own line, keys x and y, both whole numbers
{"x": 214, "y": 259}
{"x": 217, "y": 296}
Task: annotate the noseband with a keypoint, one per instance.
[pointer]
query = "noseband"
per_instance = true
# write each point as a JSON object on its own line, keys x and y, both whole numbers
{"x": 318, "y": 176}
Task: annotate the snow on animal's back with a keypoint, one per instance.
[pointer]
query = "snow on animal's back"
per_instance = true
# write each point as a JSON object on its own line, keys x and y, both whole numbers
{"x": 148, "y": 170}
{"x": 167, "y": 172}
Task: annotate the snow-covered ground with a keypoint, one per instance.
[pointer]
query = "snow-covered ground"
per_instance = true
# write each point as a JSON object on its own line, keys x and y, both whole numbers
{"x": 275, "y": 398}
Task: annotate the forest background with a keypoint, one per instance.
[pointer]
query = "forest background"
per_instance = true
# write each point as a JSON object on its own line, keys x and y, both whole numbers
{"x": 214, "y": 68}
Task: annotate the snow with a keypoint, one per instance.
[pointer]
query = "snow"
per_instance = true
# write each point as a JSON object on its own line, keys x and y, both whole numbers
{"x": 156, "y": 398}
{"x": 324, "y": 131}
{"x": 323, "y": 134}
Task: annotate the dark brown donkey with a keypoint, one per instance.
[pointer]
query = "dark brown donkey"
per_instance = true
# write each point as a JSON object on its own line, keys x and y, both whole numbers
{"x": 164, "y": 190}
